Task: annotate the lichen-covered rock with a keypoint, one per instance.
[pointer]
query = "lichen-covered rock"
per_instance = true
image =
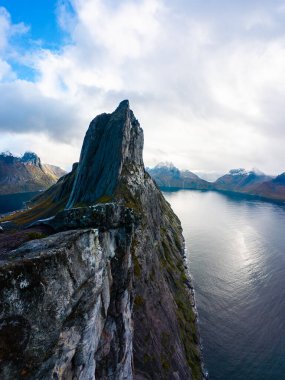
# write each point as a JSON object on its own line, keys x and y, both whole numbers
{"x": 104, "y": 216}
{"x": 56, "y": 294}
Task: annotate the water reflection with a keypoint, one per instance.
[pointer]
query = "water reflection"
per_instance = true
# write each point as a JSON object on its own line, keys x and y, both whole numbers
{"x": 236, "y": 248}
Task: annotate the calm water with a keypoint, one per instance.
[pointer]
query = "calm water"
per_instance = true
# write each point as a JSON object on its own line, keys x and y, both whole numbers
{"x": 12, "y": 202}
{"x": 236, "y": 249}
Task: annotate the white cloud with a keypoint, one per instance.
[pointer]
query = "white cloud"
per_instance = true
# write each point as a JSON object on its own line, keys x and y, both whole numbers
{"x": 207, "y": 98}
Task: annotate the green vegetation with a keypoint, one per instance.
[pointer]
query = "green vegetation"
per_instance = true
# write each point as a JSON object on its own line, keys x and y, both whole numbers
{"x": 176, "y": 277}
{"x": 139, "y": 301}
{"x": 105, "y": 199}
{"x": 80, "y": 204}
{"x": 36, "y": 235}
{"x": 137, "y": 267}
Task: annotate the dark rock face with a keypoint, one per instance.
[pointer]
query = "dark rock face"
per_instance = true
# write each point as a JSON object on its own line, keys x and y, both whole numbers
{"x": 111, "y": 303}
{"x": 31, "y": 158}
{"x": 104, "y": 216}
{"x": 55, "y": 294}
{"x": 110, "y": 140}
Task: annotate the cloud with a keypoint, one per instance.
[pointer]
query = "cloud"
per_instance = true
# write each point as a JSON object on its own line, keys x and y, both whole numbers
{"x": 24, "y": 109}
{"x": 206, "y": 83}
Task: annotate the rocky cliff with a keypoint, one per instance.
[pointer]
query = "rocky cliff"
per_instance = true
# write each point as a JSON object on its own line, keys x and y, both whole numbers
{"x": 26, "y": 173}
{"x": 106, "y": 294}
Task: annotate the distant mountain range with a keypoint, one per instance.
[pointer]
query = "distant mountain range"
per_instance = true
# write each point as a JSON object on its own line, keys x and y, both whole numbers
{"x": 252, "y": 182}
{"x": 26, "y": 173}
{"x": 167, "y": 175}
{"x": 240, "y": 180}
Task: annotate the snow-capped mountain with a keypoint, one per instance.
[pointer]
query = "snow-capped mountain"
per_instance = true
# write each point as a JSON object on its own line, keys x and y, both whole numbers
{"x": 241, "y": 180}
{"x": 167, "y": 175}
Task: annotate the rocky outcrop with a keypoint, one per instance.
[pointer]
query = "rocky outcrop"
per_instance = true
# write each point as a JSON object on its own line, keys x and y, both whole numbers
{"x": 101, "y": 164}
{"x": 119, "y": 296}
{"x": 56, "y": 293}
{"x": 26, "y": 173}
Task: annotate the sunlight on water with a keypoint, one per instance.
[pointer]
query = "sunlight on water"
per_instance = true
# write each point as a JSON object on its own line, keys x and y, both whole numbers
{"x": 236, "y": 248}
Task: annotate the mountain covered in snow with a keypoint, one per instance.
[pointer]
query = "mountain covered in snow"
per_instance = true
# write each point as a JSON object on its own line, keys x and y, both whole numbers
{"x": 241, "y": 180}
{"x": 166, "y": 174}
{"x": 252, "y": 182}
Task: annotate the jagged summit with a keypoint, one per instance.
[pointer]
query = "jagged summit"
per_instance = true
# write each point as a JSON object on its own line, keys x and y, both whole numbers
{"x": 124, "y": 104}
{"x": 27, "y": 158}
{"x": 244, "y": 172}
{"x": 26, "y": 173}
{"x": 112, "y": 140}
{"x": 117, "y": 302}
{"x": 31, "y": 158}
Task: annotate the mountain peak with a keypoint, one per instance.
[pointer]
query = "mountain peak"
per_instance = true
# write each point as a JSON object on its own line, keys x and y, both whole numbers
{"x": 111, "y": 142}
{"x": 239, "y": 171}
{"x": 256, "y": 171}
{"x": 165, "y": 164}
{"x": 124, "y": 104}
{"x": 31, "y": 158}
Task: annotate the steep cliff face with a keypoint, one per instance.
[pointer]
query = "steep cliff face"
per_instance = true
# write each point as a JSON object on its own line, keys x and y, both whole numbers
{"x": 56, "y": 294}
{"x": 115, "y": 302}
{"x": 111, "y": 140}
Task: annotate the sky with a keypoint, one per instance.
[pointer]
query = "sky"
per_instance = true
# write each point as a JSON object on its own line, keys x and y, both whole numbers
{"x": 206, "y": 79}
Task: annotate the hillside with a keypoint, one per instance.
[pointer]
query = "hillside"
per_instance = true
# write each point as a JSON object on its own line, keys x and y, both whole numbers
{"x": 273, "y": 189}
{"x": 26, "y": 173}
{"x": 241, "y": 180}
{"x": 167, "y": 175}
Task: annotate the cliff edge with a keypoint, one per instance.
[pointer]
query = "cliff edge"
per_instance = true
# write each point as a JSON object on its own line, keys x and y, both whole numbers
{"x": 106, "y": 295}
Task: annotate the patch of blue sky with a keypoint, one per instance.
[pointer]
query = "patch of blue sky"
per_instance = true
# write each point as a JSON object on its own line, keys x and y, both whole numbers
{"x": 40, "y": 16}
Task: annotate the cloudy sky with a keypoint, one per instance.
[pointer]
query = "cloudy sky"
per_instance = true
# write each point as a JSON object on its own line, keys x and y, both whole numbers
{"x": 206, "y": 79}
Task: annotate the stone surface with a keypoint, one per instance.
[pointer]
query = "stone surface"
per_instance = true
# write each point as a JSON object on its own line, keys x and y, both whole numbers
{"x": 114, "y": 303}
{"x": 110, "y": 140}
{"x": 56, "y": 295}
{"x": 103, "y": 216}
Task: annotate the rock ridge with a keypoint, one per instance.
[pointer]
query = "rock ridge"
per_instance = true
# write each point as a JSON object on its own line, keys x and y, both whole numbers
{"x": 111, "y": 277}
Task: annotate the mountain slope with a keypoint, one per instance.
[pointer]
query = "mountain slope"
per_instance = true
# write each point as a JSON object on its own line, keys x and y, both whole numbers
{"x": 26, "y": 173}
{"x": 240, "y": 180}
{"x": 115, "y": 280}
{"x": 167, "y": 175}
{"x": 273, "y": 189}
